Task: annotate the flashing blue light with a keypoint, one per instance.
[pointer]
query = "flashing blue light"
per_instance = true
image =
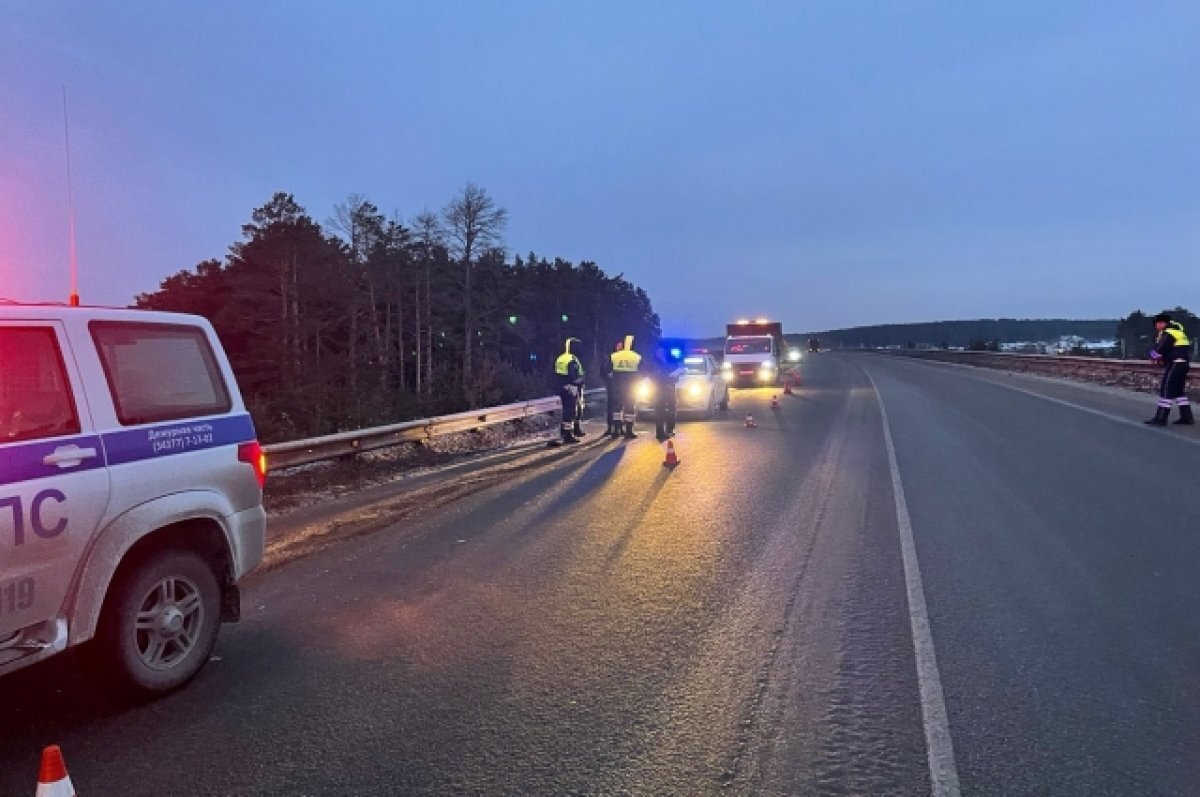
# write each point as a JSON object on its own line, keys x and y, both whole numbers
{"x": 533, "y": 358}
{"x": 676, "y": 353}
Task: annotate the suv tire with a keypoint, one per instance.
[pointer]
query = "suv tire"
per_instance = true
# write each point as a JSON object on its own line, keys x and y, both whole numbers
{"x": 160, "y": 623}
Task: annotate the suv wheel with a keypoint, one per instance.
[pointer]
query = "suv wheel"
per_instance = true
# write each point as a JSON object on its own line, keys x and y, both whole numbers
{"x": 160, "y": 624}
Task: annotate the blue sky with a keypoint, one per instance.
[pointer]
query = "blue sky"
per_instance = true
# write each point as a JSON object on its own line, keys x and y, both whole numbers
{"x": 826, "y": 163}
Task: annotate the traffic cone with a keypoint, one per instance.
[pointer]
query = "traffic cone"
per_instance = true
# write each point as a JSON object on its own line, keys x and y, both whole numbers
{"x": 774, "y": 402}
{"x": 53, "y": 780}
{"x": 672, "y": 459}
{"x": 750, "y": 424}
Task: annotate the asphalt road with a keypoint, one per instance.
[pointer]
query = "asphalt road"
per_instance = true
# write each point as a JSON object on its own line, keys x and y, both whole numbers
{"x": 595, "y": 623}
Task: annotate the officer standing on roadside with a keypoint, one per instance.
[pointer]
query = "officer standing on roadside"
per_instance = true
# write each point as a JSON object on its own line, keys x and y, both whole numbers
{"x": 625, "y": 364}
{"x": 1172, "y": 350}
{"x": 666, "y": 375}
{"x": 613, "y": 402}
{"x": 568, "y": 372}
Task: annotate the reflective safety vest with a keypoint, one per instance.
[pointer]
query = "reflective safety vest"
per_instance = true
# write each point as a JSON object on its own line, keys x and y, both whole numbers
{"x": 625, "y": 361}
{"x": 1175, "y": 330}
{"x": 562, "y": 366}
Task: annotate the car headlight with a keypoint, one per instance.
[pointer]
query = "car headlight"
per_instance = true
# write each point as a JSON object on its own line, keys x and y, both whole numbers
{"x": 769, "y": 365}
{"x": 644, "y": 390}
{"x": 794, "y": 355}
{"x": 695, "y": 390}
{"x": 726, "y": 366}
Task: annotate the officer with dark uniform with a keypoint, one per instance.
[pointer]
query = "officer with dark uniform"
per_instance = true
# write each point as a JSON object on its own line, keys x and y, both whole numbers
{"x": 613, "y": 429}
{"x": 666, "y": 375}
{"x": 625, "y": 363}
{"x": 568, "y": 372}
{"x": 1172, "y": 350}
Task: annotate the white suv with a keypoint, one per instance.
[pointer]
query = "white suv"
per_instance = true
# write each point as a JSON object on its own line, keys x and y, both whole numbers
{"x": 130, "y": 490}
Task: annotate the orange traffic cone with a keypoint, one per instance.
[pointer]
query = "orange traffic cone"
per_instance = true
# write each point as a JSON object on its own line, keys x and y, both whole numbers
{"x": 672, "y": 459}
{"x": 53, "y": 780}
{"x": 774, "y": 402}
{"x": 750, "y": 424}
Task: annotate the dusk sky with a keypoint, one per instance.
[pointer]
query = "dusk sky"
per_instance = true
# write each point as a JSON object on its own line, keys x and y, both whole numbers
{"x": 829, "y": 164}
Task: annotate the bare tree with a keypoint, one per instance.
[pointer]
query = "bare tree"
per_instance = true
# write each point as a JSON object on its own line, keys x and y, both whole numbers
{"x": 472, "y": 224}
{"x": 429, "y": 239}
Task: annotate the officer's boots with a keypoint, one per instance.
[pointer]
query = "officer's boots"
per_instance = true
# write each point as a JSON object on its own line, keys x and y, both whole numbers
{"x": 1185, "y": 415}
{"x": 1160, "y": 417}
{"x": 608, "y": 431}
{"x": 567, "y": 436}
{"x": 629, "y": 433}
{"x": 578, "y": 430}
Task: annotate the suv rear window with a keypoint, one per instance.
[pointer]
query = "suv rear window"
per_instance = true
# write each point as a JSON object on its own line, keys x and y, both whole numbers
{"x": 35, "y": 397}
{"x": 159, "y": 372}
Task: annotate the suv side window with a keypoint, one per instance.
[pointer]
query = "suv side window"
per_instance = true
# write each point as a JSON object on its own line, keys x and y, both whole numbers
{"x": 159, "y": 372}
{"x": 35, "y": 396}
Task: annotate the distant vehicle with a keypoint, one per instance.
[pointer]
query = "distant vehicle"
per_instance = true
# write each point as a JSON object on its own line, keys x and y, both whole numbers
{"x": 700, "y": 388}
{"x": 814, "y": 344}
{"x": 130, "y": 491}
{"x": 754, "y": 353}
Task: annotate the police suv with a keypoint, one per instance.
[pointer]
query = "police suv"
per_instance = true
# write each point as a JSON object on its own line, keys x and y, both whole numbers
{"x": 130, "y": 490}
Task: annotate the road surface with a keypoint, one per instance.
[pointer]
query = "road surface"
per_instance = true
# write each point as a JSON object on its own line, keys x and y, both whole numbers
{"x": 595, "y": 623}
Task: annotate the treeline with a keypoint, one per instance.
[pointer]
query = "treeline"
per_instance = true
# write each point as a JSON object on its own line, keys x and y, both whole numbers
{"x": 376, "y": 320}
{"x": 1135, "y": 333}
{"x": 937, "y": 334}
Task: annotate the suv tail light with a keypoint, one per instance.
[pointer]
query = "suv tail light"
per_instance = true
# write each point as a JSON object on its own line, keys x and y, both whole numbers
{"x": 253, "y": 454}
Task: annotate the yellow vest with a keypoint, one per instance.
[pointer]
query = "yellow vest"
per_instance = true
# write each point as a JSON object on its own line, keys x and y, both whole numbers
{"x": 562, "y": 366}
{"x": 1175, "y": 330}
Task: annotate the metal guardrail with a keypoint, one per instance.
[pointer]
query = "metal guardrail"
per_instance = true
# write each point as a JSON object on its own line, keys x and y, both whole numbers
{"x": 314, "y": 449}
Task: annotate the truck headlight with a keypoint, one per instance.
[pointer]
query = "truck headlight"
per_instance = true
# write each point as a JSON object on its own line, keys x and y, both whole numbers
{"x": 794, "y": 355}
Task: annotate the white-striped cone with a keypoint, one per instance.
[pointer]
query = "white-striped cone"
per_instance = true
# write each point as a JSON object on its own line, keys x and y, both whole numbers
{"x": 53, "y": 780}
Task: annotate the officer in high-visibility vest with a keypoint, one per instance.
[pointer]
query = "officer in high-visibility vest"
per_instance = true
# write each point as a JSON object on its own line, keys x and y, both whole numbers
{"x": 613, "y": 408}
{"x": 625, "y": 363}
{"x": 568, "y": 371}
{"x": 1172, "y": 350}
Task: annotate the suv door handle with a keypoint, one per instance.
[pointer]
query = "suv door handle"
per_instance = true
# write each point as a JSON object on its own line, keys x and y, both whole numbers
{"x": 68, "y": 456}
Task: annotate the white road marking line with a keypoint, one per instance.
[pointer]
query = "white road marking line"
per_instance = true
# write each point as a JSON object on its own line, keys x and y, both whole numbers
{"x": 943, "y": 773}
{"x": 1064, "y": 402}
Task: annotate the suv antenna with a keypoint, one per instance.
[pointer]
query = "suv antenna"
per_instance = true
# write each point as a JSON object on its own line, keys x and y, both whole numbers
{"x": 73, "y": 300}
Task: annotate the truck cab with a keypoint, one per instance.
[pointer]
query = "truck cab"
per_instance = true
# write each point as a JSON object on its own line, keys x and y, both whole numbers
{"x": 754, "y": 353}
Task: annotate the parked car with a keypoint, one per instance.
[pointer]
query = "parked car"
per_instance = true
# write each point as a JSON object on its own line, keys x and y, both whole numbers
{"x": 700, "y": 388}
{"x": 130, "y": 490}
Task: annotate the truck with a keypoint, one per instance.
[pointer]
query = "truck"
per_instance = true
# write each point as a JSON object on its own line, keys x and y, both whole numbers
{"x": 754, "y": 353}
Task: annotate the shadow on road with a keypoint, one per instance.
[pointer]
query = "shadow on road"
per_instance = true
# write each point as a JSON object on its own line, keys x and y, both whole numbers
{"x": 638, "y": 515}
{"x": 600, "y": 471}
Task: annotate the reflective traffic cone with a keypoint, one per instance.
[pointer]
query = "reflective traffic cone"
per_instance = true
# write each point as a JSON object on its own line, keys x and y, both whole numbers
{"x": 672, "y": 459}
{"x": 53, "y": 780}
{"x": 750, "y": 424}
{"x": 774, "y": 402}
